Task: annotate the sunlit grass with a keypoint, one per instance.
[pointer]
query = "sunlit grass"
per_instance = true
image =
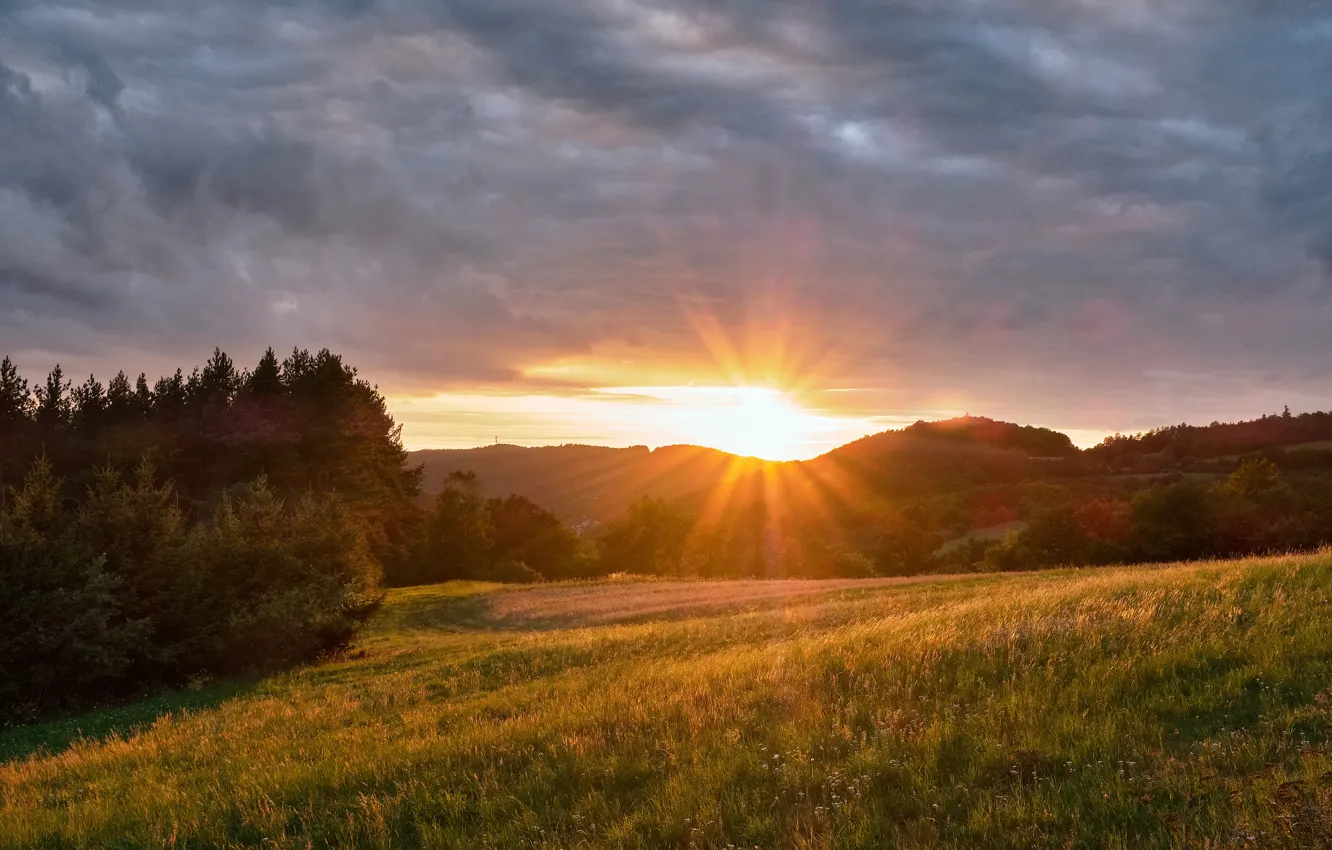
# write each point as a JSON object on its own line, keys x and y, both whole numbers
{"x": 1146, "y": 707}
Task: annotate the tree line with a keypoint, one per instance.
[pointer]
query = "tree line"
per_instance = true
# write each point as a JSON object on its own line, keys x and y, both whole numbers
{"x": 1256, "y": 509}
{"x": 215, "y": 523}
{"x": 1190, "y": 443}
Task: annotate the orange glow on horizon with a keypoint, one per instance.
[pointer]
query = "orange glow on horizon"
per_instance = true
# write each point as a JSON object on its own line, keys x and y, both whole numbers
{"x": 748, "y": 421}
{"x": 757, "y": 422}
{"x": 765, "y": 388}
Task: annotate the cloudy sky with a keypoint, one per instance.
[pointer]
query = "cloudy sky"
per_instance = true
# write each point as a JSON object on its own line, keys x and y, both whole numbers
{"x": 538, "y": 220}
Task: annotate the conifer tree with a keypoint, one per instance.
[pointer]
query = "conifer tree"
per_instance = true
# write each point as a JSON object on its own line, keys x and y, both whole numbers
{"x": 53, "y": 401}
{"x": 217, "y": 383}
{"x": 266, "y": 379}
{"x": 143, "y": 396}
{"x": 16, "y": 403}
{"x": 169, "y": 395}
{"x": 89, "y": 404}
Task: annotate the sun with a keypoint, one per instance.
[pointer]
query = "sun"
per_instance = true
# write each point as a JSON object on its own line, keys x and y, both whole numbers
{"x": 761, "y": 422}
{"x": 758, "y": 422}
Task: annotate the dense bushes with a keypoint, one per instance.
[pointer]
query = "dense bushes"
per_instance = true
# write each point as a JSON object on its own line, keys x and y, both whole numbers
{"x": 755, "y": 540}
{"x": 466, "y": 536}
{"x": 117, "y": 592}
{"x": 1254, "y": 510}
{"x": 64, "y": 631}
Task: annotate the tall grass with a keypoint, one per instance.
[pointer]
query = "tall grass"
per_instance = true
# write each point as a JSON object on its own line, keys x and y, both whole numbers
{"x": 1150, "y": 707}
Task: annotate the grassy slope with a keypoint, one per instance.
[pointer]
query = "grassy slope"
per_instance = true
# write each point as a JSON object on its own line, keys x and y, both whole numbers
{"x": 1127, "y": 707}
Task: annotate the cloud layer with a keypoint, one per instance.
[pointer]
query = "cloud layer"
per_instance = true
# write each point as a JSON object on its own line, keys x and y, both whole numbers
{"x": 1090, "y": 214}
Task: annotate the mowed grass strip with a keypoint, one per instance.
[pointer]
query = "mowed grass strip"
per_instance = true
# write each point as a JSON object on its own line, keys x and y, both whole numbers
{"x": 1177, "y": 706}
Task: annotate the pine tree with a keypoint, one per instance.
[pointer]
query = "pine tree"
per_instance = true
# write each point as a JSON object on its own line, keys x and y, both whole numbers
{"x": 143, "y": 396}
{"x": 16, "y": 404}
{"x": 266, "y": 379}
{"x": 217, "y": 383}
{"x": 119, "y": 397}
{"x": 297, "y": 365}
{"x": 89, "y": 404}
{"x": 53, "y": 401}
{"x": 169, "y": 396}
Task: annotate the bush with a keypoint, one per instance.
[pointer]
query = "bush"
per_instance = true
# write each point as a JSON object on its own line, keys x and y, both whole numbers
{"x": 509, "y": 572}
{"x": 121, "y": 593}
{"x": 850, "y": 564}
{"x": 294, "y": 583}
{"x": 63, "y": 632}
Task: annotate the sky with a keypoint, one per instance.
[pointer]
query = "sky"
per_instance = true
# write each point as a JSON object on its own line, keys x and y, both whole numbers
{"x": 767, "y": 225}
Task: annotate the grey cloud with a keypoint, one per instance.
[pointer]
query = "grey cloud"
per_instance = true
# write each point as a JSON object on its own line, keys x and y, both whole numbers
{"x": 256, "y": 172}
{"x": 570, "y": 52}
{"x": 454, "y": 191}
{"x": 103, "y": 84}
{"x": 30, "y": 289}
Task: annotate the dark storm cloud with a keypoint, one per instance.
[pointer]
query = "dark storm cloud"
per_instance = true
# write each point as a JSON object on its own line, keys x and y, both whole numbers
{"x": 260, "y": 173}
{"x": 455, "y": 191}
{"x": 567, "y": 51}
{"x": 103, "y": 84}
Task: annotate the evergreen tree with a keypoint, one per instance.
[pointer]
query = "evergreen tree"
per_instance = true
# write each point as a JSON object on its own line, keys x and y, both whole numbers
{"x": 53, "y": 401}
{"x": 62, "y": 624}
{"x": 119, "y": 398}
{"x": 169, "y": 396}
{"x": 266, "y": 379}
{"x": 143, "y": 396}
{"x": 217, "y": 383}
{"x": 89, "y": 404}
{"x": 296, "y": 366}
{"x": 16, "y": 403}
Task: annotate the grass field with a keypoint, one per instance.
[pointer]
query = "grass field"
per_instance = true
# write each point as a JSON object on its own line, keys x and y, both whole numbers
{"x": 1188, "y": 706}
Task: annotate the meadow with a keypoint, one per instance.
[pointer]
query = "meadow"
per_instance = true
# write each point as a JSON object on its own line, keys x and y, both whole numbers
{"x": 1177, "y": 706}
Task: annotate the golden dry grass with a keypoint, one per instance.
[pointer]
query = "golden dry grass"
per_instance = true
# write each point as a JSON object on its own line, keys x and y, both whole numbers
{"x": 1144, "y": 707}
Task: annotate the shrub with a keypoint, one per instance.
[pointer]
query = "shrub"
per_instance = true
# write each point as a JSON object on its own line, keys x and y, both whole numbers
{"x": 509, "y": 572}
{"x": 850, "y": 564}
{"x": 293, "y": 583}
{"x": 63, "y": 632}
{"x": 120, "y": 593}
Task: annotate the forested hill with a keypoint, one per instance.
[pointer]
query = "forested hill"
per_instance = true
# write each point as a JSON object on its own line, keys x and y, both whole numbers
{"x": 1183, "y": 443}
{"x": 1031, "y": 440}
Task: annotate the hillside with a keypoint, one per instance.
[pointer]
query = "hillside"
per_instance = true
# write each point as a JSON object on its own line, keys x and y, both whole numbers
{"x": 1185, "y": 443}
{"x": 586, "y": 482}
{"x": 1147, "y": 707}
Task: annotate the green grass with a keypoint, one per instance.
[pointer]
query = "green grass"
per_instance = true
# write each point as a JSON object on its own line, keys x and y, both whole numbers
{"x": 1186, "y": 706}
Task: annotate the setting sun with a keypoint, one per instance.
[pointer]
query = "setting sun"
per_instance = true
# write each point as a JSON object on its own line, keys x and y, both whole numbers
{"x": 755, "y": 421}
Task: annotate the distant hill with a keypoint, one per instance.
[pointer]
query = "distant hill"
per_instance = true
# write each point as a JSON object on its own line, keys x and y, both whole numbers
{"x": 929, "y": 459}
{"x": 907, "y": 462}
{"x": 587, "y": 482}
{"x": 598, "y": 483}
{"x": 1028, "y": 439}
